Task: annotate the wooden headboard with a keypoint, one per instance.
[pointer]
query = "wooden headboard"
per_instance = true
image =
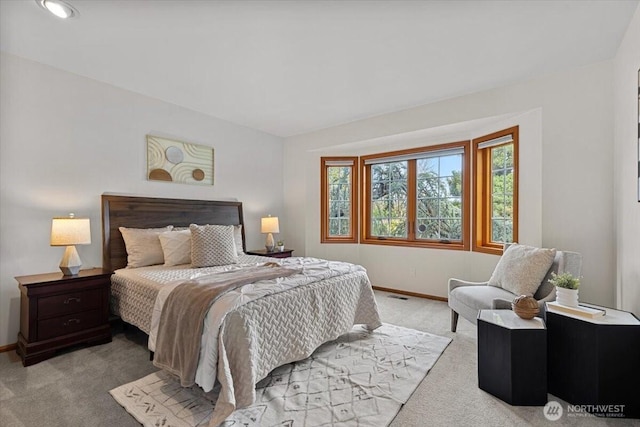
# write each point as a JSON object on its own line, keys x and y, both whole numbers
{"x": 150, "y": 212}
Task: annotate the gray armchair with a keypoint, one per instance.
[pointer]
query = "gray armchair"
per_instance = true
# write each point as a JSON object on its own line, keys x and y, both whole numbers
{"x": 467, "y": 298}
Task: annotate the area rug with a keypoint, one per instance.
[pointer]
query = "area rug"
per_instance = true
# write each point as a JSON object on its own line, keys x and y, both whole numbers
{"x": 361, "y": 379}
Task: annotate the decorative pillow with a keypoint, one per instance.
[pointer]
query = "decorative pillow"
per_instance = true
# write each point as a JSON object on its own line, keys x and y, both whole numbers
{"x": 143, "y": 245}
{"x": 522, "y": 269}
{"x": 237, "y": 239}
{"x": 176, "y": 247}
{"x": 212, "y": 245}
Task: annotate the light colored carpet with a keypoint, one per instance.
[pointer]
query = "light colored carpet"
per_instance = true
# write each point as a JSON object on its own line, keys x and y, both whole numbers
{"x": 361, "y": 379}
{"x": 72, "y": 389}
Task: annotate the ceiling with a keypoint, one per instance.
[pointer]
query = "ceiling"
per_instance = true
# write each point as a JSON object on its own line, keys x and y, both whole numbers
{"x": 291, "y": 67}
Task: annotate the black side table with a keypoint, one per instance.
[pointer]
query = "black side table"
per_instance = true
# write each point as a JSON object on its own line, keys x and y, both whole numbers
{"x": 512, "y": 357}
{"x": 595, "y": 362}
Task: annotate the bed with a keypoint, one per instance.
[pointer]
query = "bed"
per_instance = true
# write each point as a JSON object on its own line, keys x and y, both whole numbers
{"x": 249, "y": 330}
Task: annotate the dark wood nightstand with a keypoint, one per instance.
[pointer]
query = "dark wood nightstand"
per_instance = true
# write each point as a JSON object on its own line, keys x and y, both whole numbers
{"x": 57, "y": 311}
{"x": 286, "y": 253}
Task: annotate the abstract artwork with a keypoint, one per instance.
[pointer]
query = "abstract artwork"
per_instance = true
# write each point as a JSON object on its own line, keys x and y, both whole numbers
{"x": 175, "y": 161}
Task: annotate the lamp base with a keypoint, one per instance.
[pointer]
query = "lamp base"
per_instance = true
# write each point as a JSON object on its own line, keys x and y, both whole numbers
{"x": 70, "y": 271}
{"x": 70, "y": 263}
{"x": 270, "y": 243}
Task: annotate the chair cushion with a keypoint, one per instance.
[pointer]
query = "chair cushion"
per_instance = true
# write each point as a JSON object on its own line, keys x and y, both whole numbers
{"x": 478, "y": 297}
{"x": 522, "y": 269}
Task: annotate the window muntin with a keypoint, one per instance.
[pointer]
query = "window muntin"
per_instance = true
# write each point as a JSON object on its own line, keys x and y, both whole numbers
{"x": 417, "y": 197}
{"x": 496, "y": 196}
{"x": 339, "y": 183}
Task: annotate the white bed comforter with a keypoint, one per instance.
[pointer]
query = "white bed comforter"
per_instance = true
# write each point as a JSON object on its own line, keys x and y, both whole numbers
{"x": 245, "y": 335}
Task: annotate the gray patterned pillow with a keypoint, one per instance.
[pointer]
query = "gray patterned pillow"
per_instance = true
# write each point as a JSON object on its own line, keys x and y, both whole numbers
{"x": 522, "y": 269}
{"x": 212, "y": 245}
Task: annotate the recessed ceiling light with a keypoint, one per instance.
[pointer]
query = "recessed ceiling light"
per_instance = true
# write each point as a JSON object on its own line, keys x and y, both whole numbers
{"x": 59, "y": 8}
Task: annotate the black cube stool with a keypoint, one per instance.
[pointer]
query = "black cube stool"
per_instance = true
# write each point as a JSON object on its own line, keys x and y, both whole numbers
{"x": 512, "y": 357}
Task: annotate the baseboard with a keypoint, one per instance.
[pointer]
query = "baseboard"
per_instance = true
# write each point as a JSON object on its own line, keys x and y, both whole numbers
{"x": 9, "y": 347}
{"x": 411, "y": 294}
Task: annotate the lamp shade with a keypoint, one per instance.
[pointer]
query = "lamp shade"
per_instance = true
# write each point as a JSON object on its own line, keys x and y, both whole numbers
{"x": 70, "y": 230}
{"x": 270, "y": 225}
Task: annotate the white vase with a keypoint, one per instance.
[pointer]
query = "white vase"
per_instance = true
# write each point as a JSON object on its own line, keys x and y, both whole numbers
{"x": 567, "y": 297}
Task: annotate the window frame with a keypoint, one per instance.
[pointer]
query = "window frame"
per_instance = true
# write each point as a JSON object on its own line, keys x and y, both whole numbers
{"x": 482, "y": 239}
{"x": 324, "y": 200}
{"x": 411, "y": 240}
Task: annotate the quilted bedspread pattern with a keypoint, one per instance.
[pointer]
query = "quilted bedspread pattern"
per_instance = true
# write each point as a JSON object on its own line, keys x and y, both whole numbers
{"x": 252, "y": 330}
{"x": 255, "y": 338}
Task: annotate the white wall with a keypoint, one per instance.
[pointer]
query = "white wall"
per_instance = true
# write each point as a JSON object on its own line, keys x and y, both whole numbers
{"x": 626, "y": 66}
{"x": 575, "y": 131}
{"x": 427, "y": 269}
{"x": 66, "y": 139}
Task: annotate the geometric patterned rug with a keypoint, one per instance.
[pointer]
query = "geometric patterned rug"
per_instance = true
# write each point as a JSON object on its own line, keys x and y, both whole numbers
{"x": 361, "y": 379}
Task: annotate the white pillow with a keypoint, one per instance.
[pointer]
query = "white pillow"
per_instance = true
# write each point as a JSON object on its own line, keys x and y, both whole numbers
{"x": 176, "y": 247}
{"x": 522, "y": 269}
{"x": 143, "y": 245}
{"x": 212, "y": 245}
{"x": 237, "y": 239}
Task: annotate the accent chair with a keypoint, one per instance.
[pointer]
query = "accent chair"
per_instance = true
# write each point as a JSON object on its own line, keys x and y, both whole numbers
{"x": 467, "y": 298}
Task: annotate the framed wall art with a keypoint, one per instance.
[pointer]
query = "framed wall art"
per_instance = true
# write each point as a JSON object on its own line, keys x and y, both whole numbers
{"x": 176, "y": 161}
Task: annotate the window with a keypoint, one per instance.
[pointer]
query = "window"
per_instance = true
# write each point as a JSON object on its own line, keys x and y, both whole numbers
{"x": 417, "y": 197}
{"x": 496, "y": 191}
{"x": 339, "y": 219}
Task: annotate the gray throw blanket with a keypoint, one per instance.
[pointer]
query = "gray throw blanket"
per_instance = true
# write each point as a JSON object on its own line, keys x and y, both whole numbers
{"x": 182, "y": 318}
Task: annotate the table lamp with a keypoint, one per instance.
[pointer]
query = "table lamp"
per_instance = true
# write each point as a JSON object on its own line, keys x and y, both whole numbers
{"x": 69, "y": 231}
{"x": 270, "y": 225}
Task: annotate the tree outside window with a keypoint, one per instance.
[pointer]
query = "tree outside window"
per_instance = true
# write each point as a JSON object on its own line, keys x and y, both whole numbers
{"x": 496, "y": 191}
{"x": 339, "y": 184}
{"x": 417, "y": 197}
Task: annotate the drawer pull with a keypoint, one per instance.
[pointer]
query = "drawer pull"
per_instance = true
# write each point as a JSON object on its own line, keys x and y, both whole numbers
{"x": 70, "y": 321}
{"x": 68, "y": 300}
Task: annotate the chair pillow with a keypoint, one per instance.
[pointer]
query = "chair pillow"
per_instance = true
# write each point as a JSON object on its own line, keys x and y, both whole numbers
{"x": 522, "y": 269}
{"x": 212, "y": 245}
{"x": 176, "y": 247}
{"x": 143, "y": 245}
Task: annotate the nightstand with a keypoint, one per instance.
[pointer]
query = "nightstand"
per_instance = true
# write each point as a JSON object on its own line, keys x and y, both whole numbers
{"x": 286, "y": 253}
{"x": 58, "y": 311}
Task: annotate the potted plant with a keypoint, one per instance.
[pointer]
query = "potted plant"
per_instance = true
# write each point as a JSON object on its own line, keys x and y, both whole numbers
{"x": 566, "y": 288}
{"x": 280, "y": 245}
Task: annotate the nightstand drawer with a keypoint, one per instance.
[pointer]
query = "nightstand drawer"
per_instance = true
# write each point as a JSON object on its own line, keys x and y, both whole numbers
{"x": 58, "y": 311}
{"x": 69, "y": 324}
{"x": 286, "y": 253}
{"x": 72, "y": 302}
